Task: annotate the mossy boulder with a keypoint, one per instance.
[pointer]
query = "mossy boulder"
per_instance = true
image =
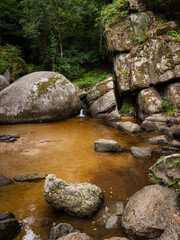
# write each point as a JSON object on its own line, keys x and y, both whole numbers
{"x": 80, "y": 200}
{"x": 39, "y": 96}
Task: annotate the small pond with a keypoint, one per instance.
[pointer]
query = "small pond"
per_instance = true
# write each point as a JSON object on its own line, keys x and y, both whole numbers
{"x": 66, "y": 149}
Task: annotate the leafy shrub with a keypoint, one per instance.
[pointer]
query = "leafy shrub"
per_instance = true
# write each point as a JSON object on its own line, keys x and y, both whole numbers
{"x": 113, "y": 12}
{"x": 11, "y": 60}
{"x": 126, "y": 110}
{"x": 175, "y": 35}
{"x": 168, "y": 106}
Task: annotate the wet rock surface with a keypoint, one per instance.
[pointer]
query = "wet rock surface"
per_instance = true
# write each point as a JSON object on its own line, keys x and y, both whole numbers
{"x": 141, "y": 152}
{"x": 60, "y": 230}
{"x": 147, "y": 212}
{"x": 4, "y": 180}
{"x": 33, "y": 177}
{"x": 39, "y": 96}
{"x": 9, "y": 138}
{"x": 9, "y": 226}
{"x": 128, "y": 127}
{"x": 81, "y": 200}
{"x": 158, "y": 140}
{"x": 103, "y": 145}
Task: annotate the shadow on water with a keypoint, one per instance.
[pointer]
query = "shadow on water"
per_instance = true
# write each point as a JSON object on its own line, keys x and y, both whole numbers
{"x": 66, "y": 149}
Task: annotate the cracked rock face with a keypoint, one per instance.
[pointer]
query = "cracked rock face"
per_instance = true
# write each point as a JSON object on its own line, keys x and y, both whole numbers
{"x": 154, "y": 62}
{"x": 81, "y": 200}
{"x": 39, "y": 96}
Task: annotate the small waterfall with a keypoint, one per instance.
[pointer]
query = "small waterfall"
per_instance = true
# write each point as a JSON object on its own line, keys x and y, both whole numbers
{"x": 81, "y": 114}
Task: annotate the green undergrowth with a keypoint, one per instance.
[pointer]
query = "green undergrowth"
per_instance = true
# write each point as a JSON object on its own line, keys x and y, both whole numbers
{"x": 11, "y": 60}
{"x": 126, "y": 110}
{"x": 112, "y": 13}
{"x": 168, "y": 106}
{"x": 175, "y": 35}
{"x": 89, "y": 79}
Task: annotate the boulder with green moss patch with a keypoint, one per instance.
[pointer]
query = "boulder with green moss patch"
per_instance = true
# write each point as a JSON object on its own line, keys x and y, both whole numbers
{"x": 81, "y": 200}
{"x": 39, "y": 96}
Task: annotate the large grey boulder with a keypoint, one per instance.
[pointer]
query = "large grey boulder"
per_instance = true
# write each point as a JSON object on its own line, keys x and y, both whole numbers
{"x": 102, "y": 101}
{"x": 104, "y": 145}
{"x": 147, "y": 212}
{"x": 81, "y": 200}
{"x": 60, "y": 230}
{"x": 3, "y": 82}
{"x": 76, "y": 236}
{"x": 39, "y": 96}
{"x": 9, "y": 226}
{"x": 141, "y": 152}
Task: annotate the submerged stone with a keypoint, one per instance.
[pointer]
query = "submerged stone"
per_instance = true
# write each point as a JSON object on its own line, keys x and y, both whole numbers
{"x": 4, "y": 180}
{"x": 103, "y": 145}
{"x": 158, "y": 140}
{"x": 33, "y": 177}
{"x": 60, "y": 230}
{"x": 141, "y": 152}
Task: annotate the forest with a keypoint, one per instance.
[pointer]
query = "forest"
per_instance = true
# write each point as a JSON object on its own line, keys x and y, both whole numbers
{"x": 62, "y": 36}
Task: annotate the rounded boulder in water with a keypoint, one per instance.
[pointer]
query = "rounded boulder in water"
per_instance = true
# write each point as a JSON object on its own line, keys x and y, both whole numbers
{"x": 39, "y": 96}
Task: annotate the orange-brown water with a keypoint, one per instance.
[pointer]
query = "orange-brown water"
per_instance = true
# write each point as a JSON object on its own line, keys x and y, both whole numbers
{"x": 66, "y": 149}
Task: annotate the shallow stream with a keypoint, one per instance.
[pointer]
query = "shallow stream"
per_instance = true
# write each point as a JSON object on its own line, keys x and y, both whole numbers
{"x": 66, "y": 149}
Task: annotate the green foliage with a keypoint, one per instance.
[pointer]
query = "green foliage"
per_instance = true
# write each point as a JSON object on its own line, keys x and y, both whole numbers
{"x": 126, "y": 110}
{"x": 175, "y": 35}
{"x": 64, "y": 34}
{"x": 168, "y": 106}
{"x": 87, "y": 80}
{"x": 11, "y": 60}
{"x": 112, "y": 13}
{"x": 177, "y": 161}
